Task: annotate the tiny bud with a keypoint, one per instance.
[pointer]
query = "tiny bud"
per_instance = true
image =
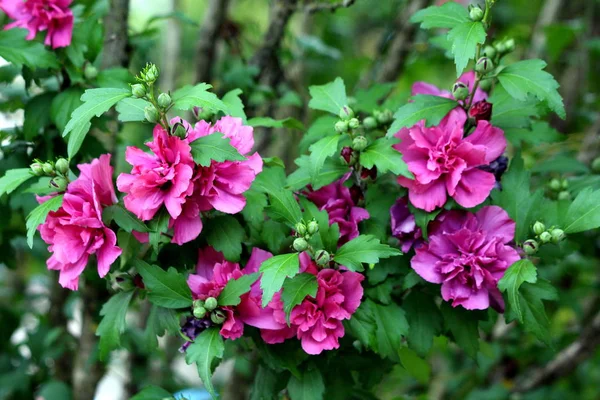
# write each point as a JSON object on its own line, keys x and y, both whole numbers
{"x": 151, "y": 73}
{"x": 489, "y": 51}
{"x": 164, "y": 100}
{"x": 500, "y": 47}
{"x": 59, "y": 183}
{"x": 200, "y": 312}
{"x": 359, "y": 143}
{"x": 90, "y": 72}
{"x": 138, "y": 90}
{"x": 354, "y": 123}
{"x": 341, "y": 126}
{"x": 531, "y": 247}
{"x": 509, "y": 45}
{"x": 370, "y": 123}
{"x": 218, "y": 317}
{"x": 484, "y": 66}
{"x": 151, "y": 114}
{"x": 545, "y": 237}
{"x": 564, "y": 184}
{"x": 179, "y": 130}
{"x": 300, "y": 244}
{"x": 62, "y": 166}
{"x": 210, "y": 303}
{"x": 48, "y": 168}
{"x": 347, "y": 155}
{"x": 322, "y": 258}
{"x": 346, "y": 113}
{"x": 554, "y": 185}
{"x": 37, "y": 169}
{"x": 564, "y": 195}
{"x": 300, "y": 229}
{"x": 476, "y": 13}
{"x": 460, "y": 91}
{"x": 312, "y": 227}
{"x": 558, "y": 235}
{"x": 384, "y": 116}
{"x": 596, "y": 165}
{"x": 538, "y": 228}
{"x": 481, "y": 111}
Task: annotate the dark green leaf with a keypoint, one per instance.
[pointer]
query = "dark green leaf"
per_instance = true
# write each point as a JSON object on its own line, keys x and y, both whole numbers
{"x": 321, "y": 151}
{"x": 153, "y": 393}
{"x": 235, "y": 105}
{"x": 332, "y": 170}
{"x": 416, "y": 366}
{"x": 518, "y": 273}
{"x": 290, "y": 123}
{"x": 330, "y": 97}
{"x": 464, "y": 325}
{"x": 309, "y": 386}
{"x": 63, "y": 106}
{"x": 465, "y": 37}
{"x": 230, "y": 296}
{"x": 160, "y": 320}
{"x": 37, "y": 114}
{"x": 214, "y": 147}
{"x": 391, "y": 326}
{"x": 424, "y": 319}
{"x": 274, "y": 271}
{"x": 167, "y": 289}
{"x": 426, "y": 107}
{"x": 225, "y": 234}
{"x": 112, "y": 326}
{"x": 13, "y": 178}
{"x": 206, "y": 351}
{"x": 284, "y": 207}
{"x": 363, "y": 326}
{"x": 295, "y": 289}
{"x": 126, "y": 220}
{"x": 382, "y": 155}
{"x": 54, "y": 390}
{"x": 584, "y": 213}
{"x": 363, "y": 249}
{"x": 189, "y": 97}
{"x": 16, "y": 49}
{"x": 38, "y": 215}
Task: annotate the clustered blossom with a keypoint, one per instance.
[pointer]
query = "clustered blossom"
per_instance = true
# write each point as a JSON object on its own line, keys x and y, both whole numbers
{"x": 169, "y": 177}
{"x": 53, "y": 16}
{"x": 76, "y": 231}
{"x": 404, "y": 225}
{"x": 467, "y": 254}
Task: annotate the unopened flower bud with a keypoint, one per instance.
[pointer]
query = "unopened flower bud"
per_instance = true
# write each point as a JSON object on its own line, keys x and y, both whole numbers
{"x": 490, "y": 51}
{"x": 554, "y": 185}
{"x": 359, "y": 143}
{"x": 59, "y": 183}
{"x": 138, "y": 90}
{"x": 509, "y": 45}
{"x": 37, "y": 169}
{"x": 596, "y": 165}
{"x": 538, "y": 228}
{"x": 151, "y": 73}
{"x": 48, "y": 168}
{"x": 481, "y": 111}
{"x": 164, "y": 100}
{"x": 179, "y": 130}
{"x": 367, "y": 173}
{"x": 347, "y": 155}
{"x": 138, "y": 281}
{"x": 312, "y": 227}
{"x": 200, "y": 312}
{"x": 356, "y": 194}
{"x": 531, "y": 247}
{"x": 346, "y": 113}
{"x": 564, "y": 195}
{"x": 151, "y": 114}
{"x": 476, "y": 13}
{"x": 564, "y": 184}
{"x": 218, "y": 317}
{"x": 322, "y": 258}
{"x": 341, "y": 126}
{"x": 370, "y": 123}
{"x": 558, "y": 235}
{"x": 300, "y": 229}
{"x": 460, "y": 91}
{"x": 385, "y": 116}
{"x": 300, "y": 244}
{"x": 90, "y": 72}
{"x": 484, "y": 66}
{"x": 545, "y": 237}
{"x": 62, "y": 166}
{"x": 210, "y": 303}
{"x": 354, "y": 123}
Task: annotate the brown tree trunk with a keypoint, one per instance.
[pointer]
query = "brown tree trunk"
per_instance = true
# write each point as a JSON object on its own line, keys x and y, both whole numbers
{"x": 214, "y": 18}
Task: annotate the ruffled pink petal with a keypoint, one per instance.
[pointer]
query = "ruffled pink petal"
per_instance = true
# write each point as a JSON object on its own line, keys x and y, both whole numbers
{"x": 474, "y": 187}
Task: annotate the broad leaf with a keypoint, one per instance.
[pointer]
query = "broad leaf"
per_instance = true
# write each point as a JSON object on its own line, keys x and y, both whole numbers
{"x": 38, "y": 215}
{"x": 167, "y": 289}
{"x": 331, "y": 171}
{"x": 112, "y": 326}
{"x": 206, "y": 351}
{"x": 132, "y": 109}
{"x": 296, "y": 289}
{"x": 16, "y": 49}
{"x": 284, "y": 207}
{"x": 13, "y": 178}
{"x": 425, "y": 321}
{"x": 230, "y": 296}
{"x": 225, "y": 234}
{"x": 290, "y": 123}
{"x": 321, "y": 151}
{"x": 363, "y": 326}
{"x": 464, "y": 325}
{"x": 309, "y": 386}
{"x": 189, "y": 97}
{"x": 583, "y": 213}
{"x": 234, "y": 104}
{"x": 448, "y": 15}
{"x": 160, "y": 320}
{"x": 391, "y": 326}
{"x": 215, "y": 147}
{"x": 382, "y": 155}
{"x": 465, "y": 37}
{"x": 274, "y": 271}
{"x": 37, "y": 114}
{"x": 511, "y": 113}
{"x": 63, "y": 106}
{"x": 414, "y": 365}
{"x": 426, "y": 107}
{"x": 330, "y": 97}
{"x": 518, "y": 273}
{"x": 126, "y": 220}
{"x": 363, "y": 249}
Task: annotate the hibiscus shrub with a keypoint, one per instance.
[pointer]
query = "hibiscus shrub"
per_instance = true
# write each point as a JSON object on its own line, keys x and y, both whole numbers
{"x": 396, "y": 233}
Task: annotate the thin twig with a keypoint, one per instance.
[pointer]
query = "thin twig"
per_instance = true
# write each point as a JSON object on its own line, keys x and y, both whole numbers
{"x": 332, "y": 7}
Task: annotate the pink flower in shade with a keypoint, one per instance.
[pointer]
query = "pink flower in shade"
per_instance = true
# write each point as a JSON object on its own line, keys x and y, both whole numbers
{"x": 444, "y": 162}
{"x": 40, "y": 15}
{"x": 404, "y": 226}
{"x": 468, "y": 78}
{"x": 468, "y": 253}
{"x": 336, "y": 199}
{"x": 75, "y": 231}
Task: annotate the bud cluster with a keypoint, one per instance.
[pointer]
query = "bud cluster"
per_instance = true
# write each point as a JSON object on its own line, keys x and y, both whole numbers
{"x": 304, "y": 232}
{"x": 144, "y": 89}
{"x": 558, "y": 188}
{"x": 208, "y": 309}
{"x": 59, "y": 171}
{"x": 542, "y": 236}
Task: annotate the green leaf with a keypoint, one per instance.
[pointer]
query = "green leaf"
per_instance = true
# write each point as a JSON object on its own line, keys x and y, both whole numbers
{"x": 528, "y": 77}
{"x": 363, "y": 249}
{"x": 63, "y": 106}
{"x": 230, "y": 296}
{"x": 296, "y": 289}
{"x": 583, "y": 213}
{"x": 284, "y": 207}
{"x": 115, "y": 78}
{"x": 132, "y": 109}
{"x": 330, "y": 97}
{"x": 328, "y": 235}
{"x": 235, "y": 105}
{"x": 265, "y": 384}
{"x": 16, "y": 49}
{"x": 423, "y": 218}
{"x": 13, "y": 178}
{"x": 37, "y": 114}
{"x": 158, "y": 225}
{"x": 541, "y": 132}
{"x": 38, "y": 215}
{"x": 126, "y": 220}
{"x": 425, "y": 321}
{"x": 95, "y": 103}
{"x": 214, "y": 147}
{"x": 160, "y": 320}
{"x": 112, "y": 326}
{"x": 167, "y": 289}
{"x": 511, "y": 113}
{"x": 391, "y": 326}
{"x": 321, "y": 151}
{"x": 290, "y": 123}
{"x": 464, "y": 325}
{"x": 518, "y": 273}
{"x": 225, "y": 234}
{"x": 382, "y": 155}
{"x": 189, "y": 97}
{"x": 206, "y": 351}
{"x": 274, "y": 271}
{"x": 331, "y": 171}
{"x": 368, "y": 100}
{"x": 321, "y": 127}
{"x": 309, "y": 386}
{"x": 54, "y": 390}
{"x": 362, "y": 325}
{"x": 153, "y": 393}
{"x": 448, "y": 15}
{"x": 426, "y": 107}
{"x": 465, "y": 37}
{"x": 414, "y": 365}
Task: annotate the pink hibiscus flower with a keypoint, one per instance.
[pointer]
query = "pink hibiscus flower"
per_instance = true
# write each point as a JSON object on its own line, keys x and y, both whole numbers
{"x": 444, "y": 162}
{"x": 468, "y": 78}
{"x": 41, "y": 15}
{"x": 467, "y": 254}
{"x": 75, "y": 231}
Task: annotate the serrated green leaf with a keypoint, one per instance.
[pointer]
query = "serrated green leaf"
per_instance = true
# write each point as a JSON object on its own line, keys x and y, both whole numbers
{"x": 126, "y": 220}
{"x": 37, "y": 114}
{"x": 189, "y": 97}
{"x": 112, "y": 326}
{"x": 309, "y": 386}
{"x": 363, "y": 249}
{"x": 63, "y": 106}
{"x": 13, "y": 178}
{"x": 511, "y": 113}
{"x": 391, "y": 325}
{"x": 328, "y": 235}
{"x": 426, "y": 107}
{"x": 131, "y": 109}
{"x": 215, "y": 147}
{"x": 16, "y": 49}
{"x": 447, "y": 15}
{"x": 330, "y": 97}
{"x": 167, "y": 289}
{"x": 234, "y": 104}
{"x": 583, "y": 213}
{"x": 284, "y": 207}
{"x": 265, "y": 384}
{"x": 518, "y": 273}
{"x": 331, "y": 171}
{"x": 464, "y": 325}
{"x": 274, "y": 271}
{"x": 465, "y": 37}
{"x": 381, "y": 154}
{"x": 321, "y": 151}
{"x": 160, "y": 320}
{"x": 425, "y": 321}
{"x": 367, "y": 100}
{"x": 362, "y": 325}
{"x": 290, "y": 123}
{"x": 38, "y": 215}
{"x": 296, "y": 289}
{"x": 225, "y": 234}
{"x": 206, "y": 350}
{"x": 230, "y": 296}
{"x": 414, "y": 365}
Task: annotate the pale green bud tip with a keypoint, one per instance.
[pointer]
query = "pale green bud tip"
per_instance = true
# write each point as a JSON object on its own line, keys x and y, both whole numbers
{"x": 545, "y": 237}
{"x": 300, "y": 244}
{"x": 346, "y": 113}
{"x": 90, "y": 72}
{"x": 198, "y": 303}
{"x": 62, "y": 166}
{"x": 564, "y": 195}
{"x": 490, "y": 51}
{"x": 37, "y": 169}
{"x": 554, "y": 184}
{"x": 484, "y": 66}
{"x": 354, "y": 123}
{"x": 151, "y": 114}
{"x": 150, "y": 73}
{"x": 341, "y": 126}
{"x": 370, "y": 123}
{"x": 164, "y": 100}
{"x": 59, "y": 183}
{"x": 210, "y": 303}
{"x": 385, "y": 116}
{"x": 138, "y": 90}
{"x": 558, "y": 235}
{"x": 322, "y": 258}
{"x": 48, "y": 168}
{"x": 300, "y": 229}
{"x": 530, "y": 247}
{"x": 217, "y": 317}
{"x": 510, "y": 45}
{"x": 359, "y": 143}
{"x": 476, "y": 13}
{"x": 564, "y": 184}
{"x": 538, "y": 228}
{"x": 460, "y": 91}
{"x": 312, "y": 227}
{"x": 200, "y": 312}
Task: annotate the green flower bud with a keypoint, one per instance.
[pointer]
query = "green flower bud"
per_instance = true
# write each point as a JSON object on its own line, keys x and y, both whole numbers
{"x": 210, "y": 303}
{"x": 460, "y": 91}
{"x": 558, "y": 235}
{"x": 322, "y": 258}
{"x": 384, "y": 116}
{"x": 179, "y": 130}
{"x": 150, "y": 73}
{"x": 354, "y": 123}
{"x": 564, "y": 184}
{"x": 596, "y": 165}
{"x": 564, "y": 195}
{"x": 90, "y": 72}
{"x": 370, "y": 123}
{"x": 300, "y": 229}
{"x": 37, "y": 169}
{"x": 138, "y": 91}
{"x": 151, "y": 114}
{"x": 509, "y": 45}
{"x": 554, "y": 184}
{"x": 485, "y": 84}
{"x": 484, "y": 66}
{"x": 359, "y": 143}
{"x": 198, "y": 303}
{"x": 346, "y": 113}
{"x": 312, "y": 227}
{"x": 48, "y": 168}
{"x": 545, "y": 237}
{"x": 476, "y": 13}
{"x": 62, "y": 166}
{"x": 341, "y": 126}
{"x": 500, "y": 47}
{"x": 200, "y": 312}
{"x": 538, "y": 228}
{"x": 531, "y": 247}
{"x": 59, "y": 183}
{"x": 300, "y": 244}
{"x": 164, "y": 100}
{"x": 218, "y": 317}
{"x": 490, "y": 51}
